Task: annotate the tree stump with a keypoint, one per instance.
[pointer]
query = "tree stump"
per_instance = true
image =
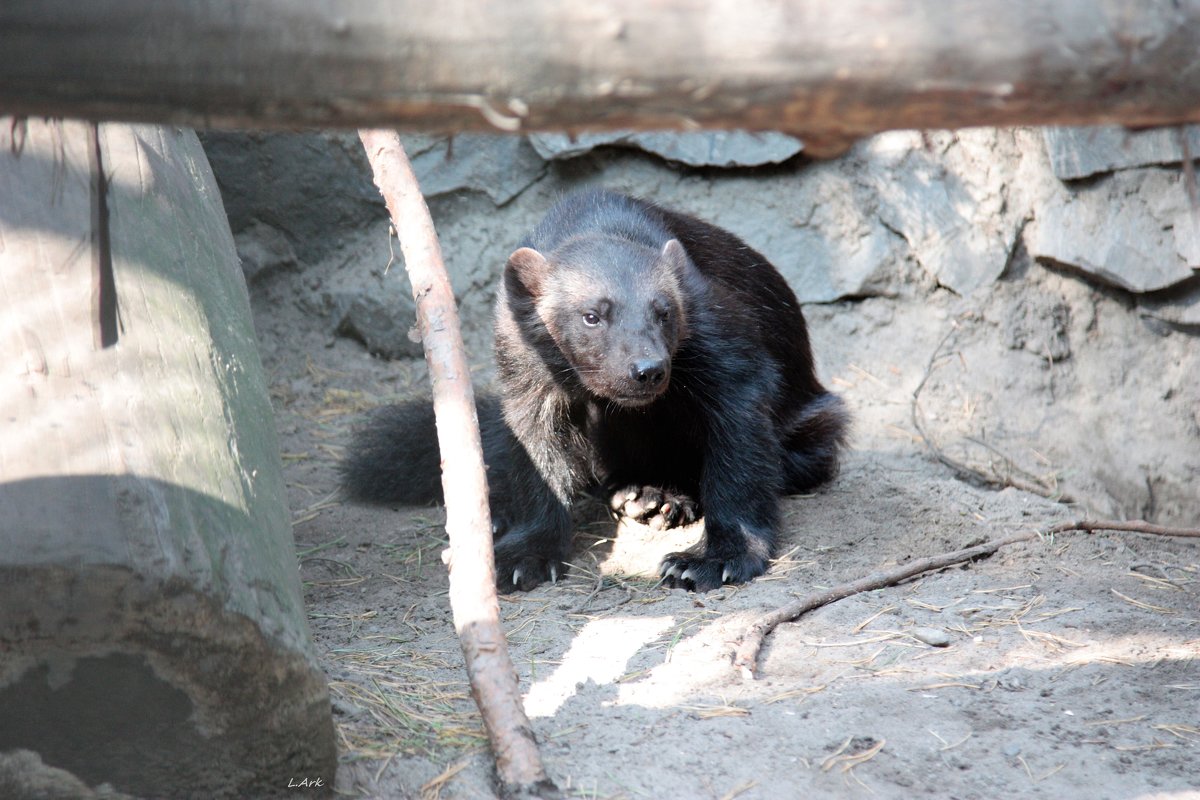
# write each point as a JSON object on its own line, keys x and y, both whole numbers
{"x": 152, "y": 631}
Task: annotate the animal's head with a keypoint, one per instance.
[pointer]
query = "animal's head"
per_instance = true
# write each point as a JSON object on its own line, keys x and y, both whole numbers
{"x": 612, "y": 307}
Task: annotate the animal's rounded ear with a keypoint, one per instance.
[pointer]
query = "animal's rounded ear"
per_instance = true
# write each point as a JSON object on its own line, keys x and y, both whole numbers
{"x": 676, "y": 257}
{"x": 527, "y": 269}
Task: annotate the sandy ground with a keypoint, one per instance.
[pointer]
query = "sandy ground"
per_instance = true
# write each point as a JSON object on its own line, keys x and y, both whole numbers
{"x": 1072, "y": 668}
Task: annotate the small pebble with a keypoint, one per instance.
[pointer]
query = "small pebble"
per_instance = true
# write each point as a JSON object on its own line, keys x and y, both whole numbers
{"x": 931, "y": 636}
{"x": 345, "y": 708}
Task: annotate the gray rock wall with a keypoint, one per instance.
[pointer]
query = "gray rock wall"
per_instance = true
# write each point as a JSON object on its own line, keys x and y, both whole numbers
{"x": 1028, "y": 232}
{"x": 899, "y": 214}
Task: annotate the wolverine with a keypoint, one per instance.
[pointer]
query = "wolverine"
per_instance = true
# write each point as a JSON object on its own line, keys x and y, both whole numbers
{"x": 646, "y": 355}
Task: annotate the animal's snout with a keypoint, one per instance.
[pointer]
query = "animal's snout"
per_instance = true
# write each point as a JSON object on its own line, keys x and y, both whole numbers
{"x": 648, "y": 371}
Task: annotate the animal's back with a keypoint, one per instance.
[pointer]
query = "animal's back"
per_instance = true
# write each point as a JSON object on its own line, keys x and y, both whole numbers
{"x": 598, "y": 212}
{"x": 762, "y": 304}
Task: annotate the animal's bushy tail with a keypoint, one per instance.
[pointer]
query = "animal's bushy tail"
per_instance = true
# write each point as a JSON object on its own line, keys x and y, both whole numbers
{"x": 814, "y": 442}
{"x": 394, "y": 456}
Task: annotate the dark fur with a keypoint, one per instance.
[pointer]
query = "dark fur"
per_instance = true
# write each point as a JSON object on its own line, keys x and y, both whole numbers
{"x": 678, "y": 377}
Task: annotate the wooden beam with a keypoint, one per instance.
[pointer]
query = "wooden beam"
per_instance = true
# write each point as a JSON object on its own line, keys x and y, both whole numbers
{"x": 828, "y": 70}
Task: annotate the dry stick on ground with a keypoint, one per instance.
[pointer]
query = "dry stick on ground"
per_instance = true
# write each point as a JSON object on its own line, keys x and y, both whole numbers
{"x": 747, "y": 652}
{"x": 1135, "y": 526}
{"x": 963, "y": 470}
{"x": 746, "y": 655}
{"x": 468, "y": 523}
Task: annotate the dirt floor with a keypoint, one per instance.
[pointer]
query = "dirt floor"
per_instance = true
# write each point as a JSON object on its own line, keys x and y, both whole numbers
{"x": 1071, "y": 666}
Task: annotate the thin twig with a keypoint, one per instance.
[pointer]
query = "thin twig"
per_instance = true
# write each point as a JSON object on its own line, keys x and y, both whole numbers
{"x": 746, "y": 655}
{"x": 747, "y": 651}
{"x": 1133, "y": 526}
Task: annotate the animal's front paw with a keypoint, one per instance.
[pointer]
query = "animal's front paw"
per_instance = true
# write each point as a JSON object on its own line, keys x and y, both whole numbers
{"x": 524, "y": 572}
{"x": 650, "y": 505}
{"x": 701, "y": 573}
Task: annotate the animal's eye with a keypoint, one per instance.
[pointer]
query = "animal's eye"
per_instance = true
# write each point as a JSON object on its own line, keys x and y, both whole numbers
{"x": 591, "y": 319}
{"x": 664, "y": 315}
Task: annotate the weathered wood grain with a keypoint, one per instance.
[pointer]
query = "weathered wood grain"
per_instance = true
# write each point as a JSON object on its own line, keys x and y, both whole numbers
{"x": 151, "y": 622}
{"x": 827, "y": 70}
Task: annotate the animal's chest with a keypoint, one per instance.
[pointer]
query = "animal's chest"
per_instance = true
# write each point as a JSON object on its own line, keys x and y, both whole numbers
{"x": 661, "y": 443}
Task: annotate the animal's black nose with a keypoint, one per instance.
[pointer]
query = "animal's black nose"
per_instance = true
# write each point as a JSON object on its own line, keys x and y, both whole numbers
{"x": 648, "y": 371}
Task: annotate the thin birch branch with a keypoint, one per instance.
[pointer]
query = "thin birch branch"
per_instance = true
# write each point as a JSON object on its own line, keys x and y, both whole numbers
{"x": 468, "y": 520}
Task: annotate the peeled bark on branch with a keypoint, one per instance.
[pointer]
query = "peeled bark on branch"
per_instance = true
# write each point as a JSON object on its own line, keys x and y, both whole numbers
{"x": 828, "y": 70}
{"x": 468, "y": 520}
